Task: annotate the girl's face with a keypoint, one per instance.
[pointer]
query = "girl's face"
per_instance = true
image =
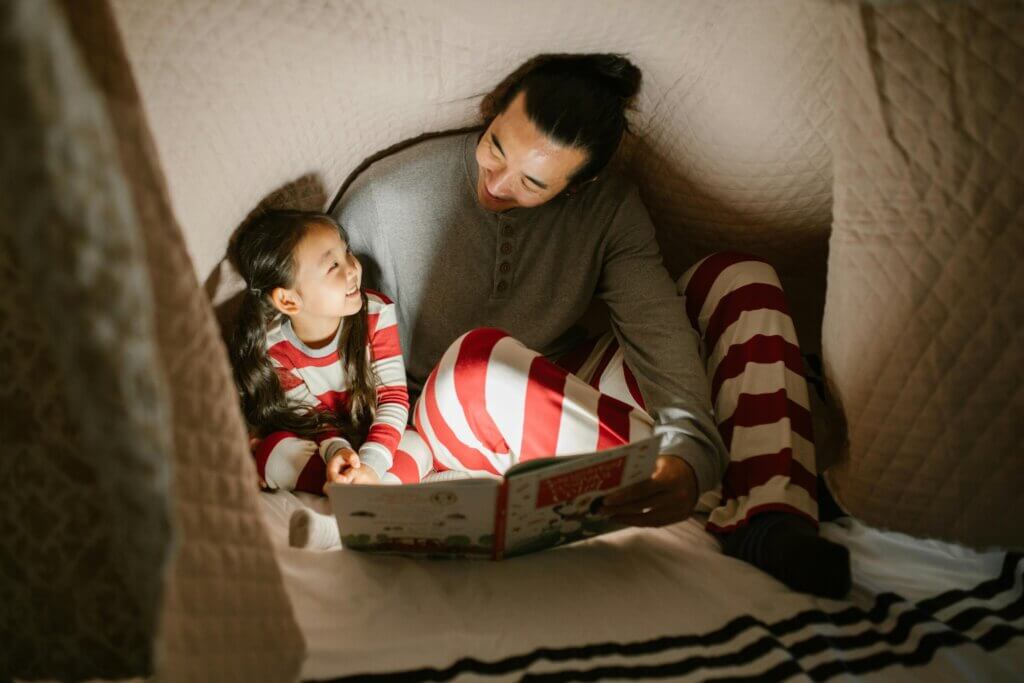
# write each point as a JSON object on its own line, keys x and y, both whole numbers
{"x": 328, "y": 276}
{"x": 519, "y": 165}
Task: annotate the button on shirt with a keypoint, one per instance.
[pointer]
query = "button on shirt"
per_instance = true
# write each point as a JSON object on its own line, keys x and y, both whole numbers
{"x": 451, "y": 266}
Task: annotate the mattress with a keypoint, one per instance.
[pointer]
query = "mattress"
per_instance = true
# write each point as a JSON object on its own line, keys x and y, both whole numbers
{"x": 918, "y": 610}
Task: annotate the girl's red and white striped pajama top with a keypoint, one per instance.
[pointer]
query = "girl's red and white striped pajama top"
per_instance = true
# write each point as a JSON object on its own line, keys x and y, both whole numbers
{"x": 316, "y": 378}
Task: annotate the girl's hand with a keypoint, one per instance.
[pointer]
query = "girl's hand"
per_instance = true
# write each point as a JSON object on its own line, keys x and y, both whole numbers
{"x": 344, "y": 467}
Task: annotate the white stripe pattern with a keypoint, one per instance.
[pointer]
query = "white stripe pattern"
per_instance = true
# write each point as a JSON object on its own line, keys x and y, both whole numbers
{"x": 314, "y": 380}
{"x": 507, "y": 382}
{"x": 760, "y": 378}
{"x": 749, "y": 324}
{"x": 287, "y": 461}
{"x": 750, "y": 442}
{"x": 732, "y": 278}
{"x": 505, "y": 394}
{"x": 576, "y": 433}
{"x": 613, "y": 380}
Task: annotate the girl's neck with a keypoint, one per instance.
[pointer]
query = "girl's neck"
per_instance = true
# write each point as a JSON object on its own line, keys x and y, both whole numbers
{"x": 315, "y": 333}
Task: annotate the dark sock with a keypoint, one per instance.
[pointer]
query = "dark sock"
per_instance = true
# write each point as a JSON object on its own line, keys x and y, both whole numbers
{"x": 828, "y": 508}
{"x": 789, "y": 548}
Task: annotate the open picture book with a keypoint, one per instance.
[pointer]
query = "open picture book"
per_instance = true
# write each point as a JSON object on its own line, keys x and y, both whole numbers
{"x": 538, "y": 504}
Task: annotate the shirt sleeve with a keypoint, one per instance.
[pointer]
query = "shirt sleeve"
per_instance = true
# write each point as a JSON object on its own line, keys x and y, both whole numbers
{"x": 378, "y": 450}
{"x": 660, "y": 346}
{"x": 358, "y": 215}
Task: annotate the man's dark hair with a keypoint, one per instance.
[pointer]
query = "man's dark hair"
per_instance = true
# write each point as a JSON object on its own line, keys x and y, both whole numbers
{"x": 577, "y": 100}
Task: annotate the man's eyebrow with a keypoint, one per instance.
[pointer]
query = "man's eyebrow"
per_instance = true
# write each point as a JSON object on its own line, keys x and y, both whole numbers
{"x": 543, "y": 186}
{"x": 494, "y": 139}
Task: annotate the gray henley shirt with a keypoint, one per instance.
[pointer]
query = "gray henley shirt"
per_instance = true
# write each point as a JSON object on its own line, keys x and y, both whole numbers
{"x": 450, "y": 265}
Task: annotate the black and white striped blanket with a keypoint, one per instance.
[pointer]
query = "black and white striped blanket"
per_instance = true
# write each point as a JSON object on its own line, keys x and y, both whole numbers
{"x": 657, "y": 604}
{"x": 958, "y": 628}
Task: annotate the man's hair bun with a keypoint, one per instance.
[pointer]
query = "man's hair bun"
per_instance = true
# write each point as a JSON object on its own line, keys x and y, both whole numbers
{"x": 579, "y": 100}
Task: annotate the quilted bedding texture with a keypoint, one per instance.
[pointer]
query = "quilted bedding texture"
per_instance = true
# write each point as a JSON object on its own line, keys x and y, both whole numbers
{"x": 133, "y": 512}
{"x": 919, "y": 610}
{"x": 171, "y": 120}
{"x": 245, "y": 99}
{"x": 924, "y": 320}
{"x": 738, "y": 131}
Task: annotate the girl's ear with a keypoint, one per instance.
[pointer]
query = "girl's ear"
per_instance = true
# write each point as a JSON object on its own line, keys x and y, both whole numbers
{"x": 287, "y": 301}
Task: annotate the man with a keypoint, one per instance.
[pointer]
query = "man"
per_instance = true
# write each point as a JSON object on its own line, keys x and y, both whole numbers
{"x": 518, "y": 227}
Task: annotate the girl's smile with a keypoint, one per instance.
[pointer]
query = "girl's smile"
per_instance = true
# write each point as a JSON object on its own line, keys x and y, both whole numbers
{"x": 326, "y": 286}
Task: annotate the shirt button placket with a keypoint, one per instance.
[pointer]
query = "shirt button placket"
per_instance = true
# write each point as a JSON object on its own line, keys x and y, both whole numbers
{"x": 503, "y": 260}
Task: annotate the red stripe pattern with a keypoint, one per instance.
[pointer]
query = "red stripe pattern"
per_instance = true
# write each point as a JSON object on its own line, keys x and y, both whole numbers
{"x": 534, "y": 414}
{"x": 318, "y": 381}
{"x": 758, "y": 349}
{"x": 405, "y": 468}
{"x": 633, "y": 386}
{"x": 470, "y": 384}
{"x": 744, "y": 476}
{"x": 545, "y": 395}
{"x": 756, "y": 480}
{"x": 470, "y": 458}
{"x": 602, "y": 365}
{"x": 703, "y": 278}
{"x": 753, "y": 410}
{"x": 735, "y": 303}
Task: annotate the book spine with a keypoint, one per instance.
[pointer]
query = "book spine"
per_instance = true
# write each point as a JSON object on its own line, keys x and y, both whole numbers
{"x": 500, "y": 515}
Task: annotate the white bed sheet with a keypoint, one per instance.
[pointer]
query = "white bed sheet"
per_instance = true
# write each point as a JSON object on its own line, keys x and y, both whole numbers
{"x": 663, "y": 603}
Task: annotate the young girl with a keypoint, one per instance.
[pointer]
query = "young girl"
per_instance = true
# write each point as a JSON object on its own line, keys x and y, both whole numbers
{"x": 316, "y": 358}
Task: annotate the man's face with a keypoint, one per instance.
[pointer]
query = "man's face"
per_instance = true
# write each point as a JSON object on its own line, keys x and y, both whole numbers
{"x": 519, "y": 165}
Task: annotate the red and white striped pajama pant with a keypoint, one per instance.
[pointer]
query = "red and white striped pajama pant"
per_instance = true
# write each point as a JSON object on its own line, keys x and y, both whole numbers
{"x": 472, "y": 414}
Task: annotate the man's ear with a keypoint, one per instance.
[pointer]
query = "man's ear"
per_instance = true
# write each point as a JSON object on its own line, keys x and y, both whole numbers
{"x": 287, "y": 301}
{"x": 576, "y": 187}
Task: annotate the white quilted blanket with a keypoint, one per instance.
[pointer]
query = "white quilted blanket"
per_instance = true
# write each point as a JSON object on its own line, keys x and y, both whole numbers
{"x": 661, "y": 603}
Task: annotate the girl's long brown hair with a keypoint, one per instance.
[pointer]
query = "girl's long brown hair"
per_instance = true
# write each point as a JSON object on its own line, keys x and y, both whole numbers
{"x": 262, "y": 252}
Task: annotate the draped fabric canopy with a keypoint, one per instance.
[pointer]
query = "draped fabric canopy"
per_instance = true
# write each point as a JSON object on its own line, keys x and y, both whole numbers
{"x": 138, "y": 135}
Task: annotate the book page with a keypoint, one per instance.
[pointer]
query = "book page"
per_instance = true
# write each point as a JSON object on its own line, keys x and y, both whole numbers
{"x": 447, "y": 518}
{"x": 558, "y": 503}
